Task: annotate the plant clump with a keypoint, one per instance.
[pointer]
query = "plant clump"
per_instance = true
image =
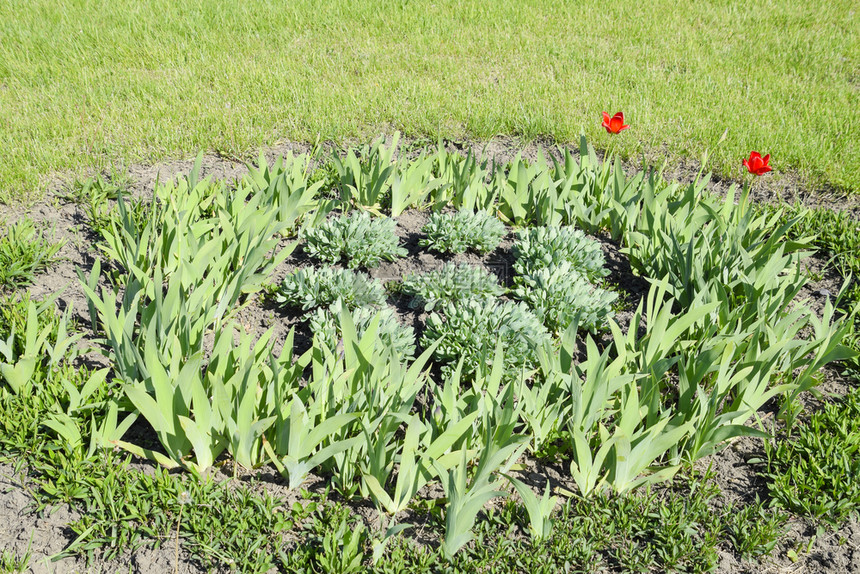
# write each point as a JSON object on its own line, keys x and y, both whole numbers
{"x": 472, "y": 330}
{"x": 452, "y": 283}
{"x": 358, "y": 239}
{"x": 309, "y": 288}
{"x": 457, "y": 233}
{"x": 327, "y": 291}
{"x": 561, "y": 294}
{"x": 24, "y": 252}
{"x": 816, "y": 472}
{"x": 326, "y": 326}
{"x": 542, "y": 247}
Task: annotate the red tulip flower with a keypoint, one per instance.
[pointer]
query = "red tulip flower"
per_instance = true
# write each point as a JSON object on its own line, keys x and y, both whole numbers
{"x": 614, "y": 124}
{"x": 756, "y": 164}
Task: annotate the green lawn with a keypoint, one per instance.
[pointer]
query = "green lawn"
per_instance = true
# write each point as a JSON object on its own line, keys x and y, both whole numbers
{"x": 91, "y": 84}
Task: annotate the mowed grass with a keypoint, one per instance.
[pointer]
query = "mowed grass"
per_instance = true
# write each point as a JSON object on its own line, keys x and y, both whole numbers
{"x": 95, "y": 84}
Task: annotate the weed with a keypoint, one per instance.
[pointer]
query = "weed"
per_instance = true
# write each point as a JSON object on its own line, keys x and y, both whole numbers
{"x": 15, "y": 316}
{"x": 125, "y": 509}
{"x": 25, "y": 252}
{"x": 837, "y": 235}
{"x": 753, "y": 530}
{"x": 94, "y": 196}
{"x": 834, "y": 232}
{"x": 326, "y": 175}
{"x": 12, "y": 564}
{"x": 675, "y": 529}
{"x": 816, "y": 472}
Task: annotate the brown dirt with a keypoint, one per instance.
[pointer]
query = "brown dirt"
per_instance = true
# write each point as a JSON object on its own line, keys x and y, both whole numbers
{"x": 48, "y": 531}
